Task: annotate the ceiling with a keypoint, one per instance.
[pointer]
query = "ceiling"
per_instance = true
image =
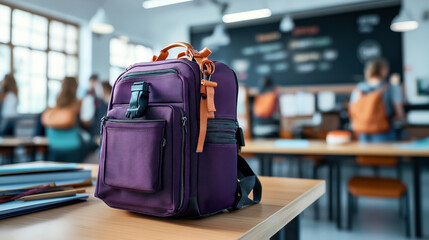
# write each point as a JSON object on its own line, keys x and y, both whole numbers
{"x": 166, "y": 23}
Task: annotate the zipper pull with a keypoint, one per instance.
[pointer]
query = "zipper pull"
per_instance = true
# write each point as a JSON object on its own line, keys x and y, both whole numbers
{"x": 104, "y": 118}
{"x": 184, "y": 118}
{"x": 164, "y": 142}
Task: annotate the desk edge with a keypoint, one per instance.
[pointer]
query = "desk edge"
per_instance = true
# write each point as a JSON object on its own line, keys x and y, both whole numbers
{"x": 274, "y": 223}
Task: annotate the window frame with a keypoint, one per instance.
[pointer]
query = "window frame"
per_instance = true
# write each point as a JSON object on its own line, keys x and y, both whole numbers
{"x": 128, "y": 43}
{"x": 47, "y": 50}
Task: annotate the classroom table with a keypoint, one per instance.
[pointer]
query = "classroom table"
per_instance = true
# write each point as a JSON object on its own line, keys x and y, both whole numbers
{"x": 27, "y": 142}
{"x": 12, "y": 142}
{"x": 283, "y": 199}
{"x": 318, "y": 147}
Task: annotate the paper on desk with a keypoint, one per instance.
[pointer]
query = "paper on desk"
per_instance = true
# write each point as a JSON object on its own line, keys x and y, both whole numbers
{"x": 37, "y": 167}
{"x": 326, "y": 101}
{"x": 20, "y": 206}
{"x": 30, "y": 184}
{"x": 291, "y": 143}
{"x": 305, "y": 103}
{"x": 416, "y": 145}
{"x": 287, "y": 105}
{"x": 299, "y": 104}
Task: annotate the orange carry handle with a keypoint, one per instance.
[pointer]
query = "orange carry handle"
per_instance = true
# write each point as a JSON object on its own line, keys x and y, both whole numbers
{"x": 164, "y": 52}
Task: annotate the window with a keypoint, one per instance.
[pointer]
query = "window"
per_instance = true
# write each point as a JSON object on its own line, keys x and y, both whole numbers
{"x": 123, "y": 54}
{"x": 41, "y": 51}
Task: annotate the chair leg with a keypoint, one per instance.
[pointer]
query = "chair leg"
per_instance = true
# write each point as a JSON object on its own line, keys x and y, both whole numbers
{"x": 261, "y": 166}
{"x": 407, "y": 215}
{"x": 300, "y": 168}
{"x": 349, "y": 211}
{"x": 376, "y": 171}
{"x": 355, "y": 205}
{"x": 399, "y": 169}
{"x": 316, "y": 204}
{"x": 330, "y": 193}
{"x": 401, "y": 207}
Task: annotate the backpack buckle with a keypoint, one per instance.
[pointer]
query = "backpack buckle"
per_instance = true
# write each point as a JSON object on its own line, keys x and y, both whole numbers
{"x": 139, "y": 100}
{"x": 239, "y": 135}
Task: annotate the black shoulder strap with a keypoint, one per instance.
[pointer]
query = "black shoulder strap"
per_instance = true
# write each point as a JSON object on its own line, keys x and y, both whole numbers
{"x": 247, "y": 181}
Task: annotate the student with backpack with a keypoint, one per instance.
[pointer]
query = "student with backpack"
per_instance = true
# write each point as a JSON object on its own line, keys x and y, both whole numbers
{"x": 265, "y": 111}
{"x": 375, "y": 103}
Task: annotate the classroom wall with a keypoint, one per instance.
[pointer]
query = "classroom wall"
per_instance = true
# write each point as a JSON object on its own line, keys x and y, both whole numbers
{"x": 94, "y": 50}
{"x": 416, "y": 50}
{"x": 100, "y": 50}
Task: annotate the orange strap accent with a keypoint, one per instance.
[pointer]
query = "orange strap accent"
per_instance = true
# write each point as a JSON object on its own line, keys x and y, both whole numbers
{"x": 207, "y": 109}
{"x": 207, "y": 68}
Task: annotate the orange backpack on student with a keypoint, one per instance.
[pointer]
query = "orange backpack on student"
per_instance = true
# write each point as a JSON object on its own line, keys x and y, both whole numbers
{"x": 264, "y": 105}
{"x": 368, "y": 114}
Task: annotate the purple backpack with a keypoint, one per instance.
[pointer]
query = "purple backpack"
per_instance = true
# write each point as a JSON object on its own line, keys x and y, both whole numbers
{"x": 170, "y": 140}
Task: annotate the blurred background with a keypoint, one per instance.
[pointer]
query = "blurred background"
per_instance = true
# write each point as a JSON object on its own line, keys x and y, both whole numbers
{"x": 300, "y": 66}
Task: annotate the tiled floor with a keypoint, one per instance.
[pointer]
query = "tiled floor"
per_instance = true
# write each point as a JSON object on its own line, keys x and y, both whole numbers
{"x": 377, "y": 219}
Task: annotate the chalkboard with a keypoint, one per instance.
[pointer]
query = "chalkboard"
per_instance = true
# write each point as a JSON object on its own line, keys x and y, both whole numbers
{"x": 322, "y": 50}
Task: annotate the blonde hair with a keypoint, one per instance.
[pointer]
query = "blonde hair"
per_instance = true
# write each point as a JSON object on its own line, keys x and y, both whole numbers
{"x": 375, "y": 68}
{"x": 67, "y": 96}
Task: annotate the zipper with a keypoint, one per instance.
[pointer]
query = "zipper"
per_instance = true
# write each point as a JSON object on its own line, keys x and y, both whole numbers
{"x": 131, "y": 121}
{"x": 150, "y": 73}
{"x": 106, "y": 118}
{"x": 182, "y": 160}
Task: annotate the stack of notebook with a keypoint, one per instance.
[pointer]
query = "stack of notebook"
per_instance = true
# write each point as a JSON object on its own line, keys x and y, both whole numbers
{"x": 26, "y": 188}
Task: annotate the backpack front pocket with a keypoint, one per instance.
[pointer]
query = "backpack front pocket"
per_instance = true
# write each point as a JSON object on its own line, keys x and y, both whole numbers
{"x": 135, "y": 154}
{"x": 143, "y": 161}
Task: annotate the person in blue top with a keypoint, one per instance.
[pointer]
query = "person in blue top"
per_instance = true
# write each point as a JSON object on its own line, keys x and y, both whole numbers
{"x": 376, "y": 74}
{"x": 66, "y": 143}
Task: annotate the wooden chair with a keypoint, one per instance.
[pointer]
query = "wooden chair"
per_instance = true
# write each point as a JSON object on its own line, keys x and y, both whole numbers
{"x": 377, "y": 187}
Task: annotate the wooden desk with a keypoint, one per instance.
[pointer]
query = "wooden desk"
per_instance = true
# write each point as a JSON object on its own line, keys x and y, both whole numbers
{"x": 282, "y": 200}
{"x": 317, "y": 147}
{"x": 11, "y": 142}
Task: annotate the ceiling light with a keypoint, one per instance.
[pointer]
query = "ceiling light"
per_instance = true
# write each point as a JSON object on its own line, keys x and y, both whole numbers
{"x": 218, "y": 38}
{"x": 124, "y": 38}
{"x": 160, "y": 3}
{"x": 248, "y": 15}
{"x": 403, "y": 22}
{"x": 100, "y": 24}
{"x": 287, "y": 24}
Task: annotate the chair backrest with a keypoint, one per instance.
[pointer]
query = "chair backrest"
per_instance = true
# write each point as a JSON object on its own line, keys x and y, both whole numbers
{"x": 25, "y": 125}
{"x": 63, "y": 139}
{"x": 376, "y": 161}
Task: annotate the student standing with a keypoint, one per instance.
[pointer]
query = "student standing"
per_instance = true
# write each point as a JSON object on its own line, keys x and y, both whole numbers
{"x": 376, "y": 103}
{"x": 265, "y": 111}
{"x": 94, "y": 106}
{"x": 9, "y": 104}
{"x": 62, "y": 126}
